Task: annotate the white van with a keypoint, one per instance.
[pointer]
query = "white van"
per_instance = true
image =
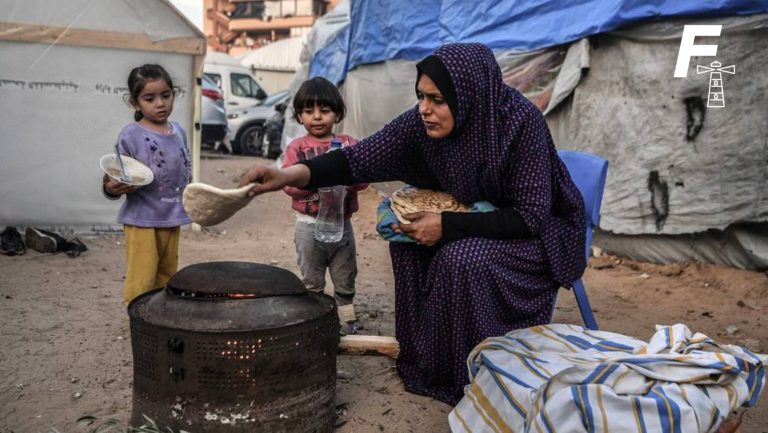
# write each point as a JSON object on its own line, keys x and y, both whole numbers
{"x": 236, "y": 82}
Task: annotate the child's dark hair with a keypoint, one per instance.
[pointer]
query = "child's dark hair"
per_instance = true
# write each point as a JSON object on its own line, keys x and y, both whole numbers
{"x": 139, "y": 76}
{"x": 319, "y": 91}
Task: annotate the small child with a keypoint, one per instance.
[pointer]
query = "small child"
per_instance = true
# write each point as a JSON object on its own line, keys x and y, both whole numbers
{"x": 318, "y": 106}
{"x": 152, "y": 215}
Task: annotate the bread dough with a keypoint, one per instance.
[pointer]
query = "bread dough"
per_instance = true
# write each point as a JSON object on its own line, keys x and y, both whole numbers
{"x": 411, "y": 200}
{"x": 207, "y": 205}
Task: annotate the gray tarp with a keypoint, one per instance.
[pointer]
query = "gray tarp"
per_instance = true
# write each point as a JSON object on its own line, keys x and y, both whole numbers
{"x": 685, "y": 181}
{"x": 676, "y": 166}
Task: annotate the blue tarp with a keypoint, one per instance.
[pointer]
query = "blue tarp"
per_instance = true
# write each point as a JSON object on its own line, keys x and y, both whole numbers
{"x": 411, "y": 29}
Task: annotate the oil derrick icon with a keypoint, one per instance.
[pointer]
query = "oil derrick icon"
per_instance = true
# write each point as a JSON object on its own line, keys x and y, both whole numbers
{"x": 716, "y": 96}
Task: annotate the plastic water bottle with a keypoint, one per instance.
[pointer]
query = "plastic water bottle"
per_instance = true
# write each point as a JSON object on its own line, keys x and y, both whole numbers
{"x": 329, "y": 226}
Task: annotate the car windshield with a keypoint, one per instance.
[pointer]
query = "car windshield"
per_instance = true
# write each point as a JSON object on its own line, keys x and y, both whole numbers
{"x": 275, "y": 98}
{"x": 214, "y": 79}
{"x": 209, "y": 84}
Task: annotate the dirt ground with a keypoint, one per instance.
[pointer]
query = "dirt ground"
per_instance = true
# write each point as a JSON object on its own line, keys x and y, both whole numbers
{"x": 66, "y": 343}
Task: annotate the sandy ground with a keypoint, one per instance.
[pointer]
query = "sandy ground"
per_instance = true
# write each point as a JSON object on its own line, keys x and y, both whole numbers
{"x": 65, "y": 338}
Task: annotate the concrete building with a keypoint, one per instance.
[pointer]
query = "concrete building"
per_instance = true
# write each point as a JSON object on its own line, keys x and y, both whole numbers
{"x": 237, "y": 26}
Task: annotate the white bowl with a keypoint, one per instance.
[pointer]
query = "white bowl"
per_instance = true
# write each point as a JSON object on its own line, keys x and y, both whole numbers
{"x": 138, "y": 173}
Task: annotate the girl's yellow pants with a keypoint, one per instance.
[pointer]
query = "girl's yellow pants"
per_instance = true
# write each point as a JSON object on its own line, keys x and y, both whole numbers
{"x": 152, "y": 257}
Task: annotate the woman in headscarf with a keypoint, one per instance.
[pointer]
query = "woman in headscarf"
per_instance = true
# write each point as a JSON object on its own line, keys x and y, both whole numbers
{"x": 471, "y": 275}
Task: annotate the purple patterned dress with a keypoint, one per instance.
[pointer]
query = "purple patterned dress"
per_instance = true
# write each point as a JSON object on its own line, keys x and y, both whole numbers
{"x": 450, "y": 297}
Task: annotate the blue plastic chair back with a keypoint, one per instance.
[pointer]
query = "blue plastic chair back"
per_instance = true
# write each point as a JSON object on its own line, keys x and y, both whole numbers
{"x": 588, "y": 173}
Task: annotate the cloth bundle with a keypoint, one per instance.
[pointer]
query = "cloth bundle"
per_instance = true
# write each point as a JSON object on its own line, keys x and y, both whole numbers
{"x": 565, "y": 378}
{"x": 386, "y": 217}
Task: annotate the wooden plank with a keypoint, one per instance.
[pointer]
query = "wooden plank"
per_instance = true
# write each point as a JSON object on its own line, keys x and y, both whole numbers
{"x": 21, "y": 32}
{"x": 369, "y": 345}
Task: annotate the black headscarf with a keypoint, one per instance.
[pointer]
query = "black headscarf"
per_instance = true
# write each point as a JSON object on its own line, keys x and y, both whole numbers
{"x": 434, "y": 68}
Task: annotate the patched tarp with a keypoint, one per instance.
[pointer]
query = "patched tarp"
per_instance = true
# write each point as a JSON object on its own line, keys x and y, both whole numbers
{"x": 676, "y": 165}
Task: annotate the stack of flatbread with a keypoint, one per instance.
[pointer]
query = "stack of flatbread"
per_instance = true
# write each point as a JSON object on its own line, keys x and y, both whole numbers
{"x": 410, "y": 200}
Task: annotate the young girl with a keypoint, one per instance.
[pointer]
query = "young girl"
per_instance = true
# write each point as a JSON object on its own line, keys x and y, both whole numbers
{"x": 318, "y": 106}
{"x": 152, "y": 215}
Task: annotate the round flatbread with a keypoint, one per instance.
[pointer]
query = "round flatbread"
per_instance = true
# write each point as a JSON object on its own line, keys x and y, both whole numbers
{"x": 411, "y": 200}
{"x": 208, "y": 205}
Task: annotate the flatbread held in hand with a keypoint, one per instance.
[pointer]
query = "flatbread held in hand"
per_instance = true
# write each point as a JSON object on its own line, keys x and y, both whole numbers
{"x": 208, "y": 205}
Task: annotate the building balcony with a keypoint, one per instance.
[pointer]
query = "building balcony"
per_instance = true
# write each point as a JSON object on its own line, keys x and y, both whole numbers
{"x": 276, "y": 23}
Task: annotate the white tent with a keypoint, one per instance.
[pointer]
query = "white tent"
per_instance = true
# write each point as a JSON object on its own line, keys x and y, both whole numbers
{"x": 63, "y": 73}
{"x": 273, "y": 65}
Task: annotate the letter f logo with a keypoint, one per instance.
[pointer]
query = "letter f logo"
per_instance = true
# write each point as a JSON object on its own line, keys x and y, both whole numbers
{"x": 688, "y": 49}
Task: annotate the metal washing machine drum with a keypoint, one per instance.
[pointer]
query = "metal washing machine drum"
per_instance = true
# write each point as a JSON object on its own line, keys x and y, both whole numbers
{"x": 234, "y": 347}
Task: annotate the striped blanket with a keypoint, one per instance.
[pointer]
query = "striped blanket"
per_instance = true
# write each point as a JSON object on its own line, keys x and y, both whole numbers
{"x": 563, "y": 378}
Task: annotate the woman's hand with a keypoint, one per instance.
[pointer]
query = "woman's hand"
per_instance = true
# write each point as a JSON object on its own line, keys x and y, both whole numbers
{"x": 272, "y": 179}
{"x": 425, "y": 227}
{"x": 116, "y": 188}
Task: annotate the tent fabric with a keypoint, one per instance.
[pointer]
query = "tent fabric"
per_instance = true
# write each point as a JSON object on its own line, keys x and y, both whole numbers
{"x": 282, "y": 55}
{"x": 157, "y": 19}
{"x": 63, "y": 106}
{"x": 743, "y": 245}
{"x": 328, "y": 42}
{"x": 327, "y": 31}
{"x": 407, "y": 30}
{"x": 677, "y": 166}
{"x": 531, "y": 25}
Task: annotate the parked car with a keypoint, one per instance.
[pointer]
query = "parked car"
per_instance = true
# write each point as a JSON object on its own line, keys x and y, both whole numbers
{"x": 213, "y": 115}
{"x": 246, "y": 126}
{"x": 235, "y": 81}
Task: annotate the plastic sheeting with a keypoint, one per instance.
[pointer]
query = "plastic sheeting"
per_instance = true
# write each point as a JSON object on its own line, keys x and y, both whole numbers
{"x": 375, "y": 94}
{"x": 63, "y": 107}
{"x": 328, "y": 31}
{"x": 282, "y": 55}
{"x": 328, "y": 43}
{"x": 742, "y": 246}
{"x": 408, "y": 30}
{"x": 677, "y": 166}
{"x": 686, "y": 182}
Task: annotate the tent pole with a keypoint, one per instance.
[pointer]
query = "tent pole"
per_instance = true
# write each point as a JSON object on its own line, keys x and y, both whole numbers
{"x": 197, "y": 72}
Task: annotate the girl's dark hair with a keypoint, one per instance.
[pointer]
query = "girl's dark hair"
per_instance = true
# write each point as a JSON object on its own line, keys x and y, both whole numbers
{"x": 139, "y": 76}
{"x": 319, "y": 91}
